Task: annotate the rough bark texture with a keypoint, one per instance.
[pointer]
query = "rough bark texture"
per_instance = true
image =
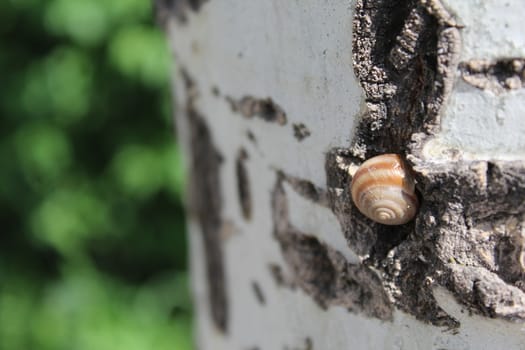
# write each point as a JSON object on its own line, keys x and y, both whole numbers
{"x": 405, "y": 55}
{"x": 275, "y": 125}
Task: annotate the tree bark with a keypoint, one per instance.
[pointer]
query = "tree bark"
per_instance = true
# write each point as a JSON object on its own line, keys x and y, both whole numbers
{"x": 279, "y": 102}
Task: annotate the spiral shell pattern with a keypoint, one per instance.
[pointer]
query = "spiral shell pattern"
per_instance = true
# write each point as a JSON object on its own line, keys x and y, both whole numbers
{"x": 383, "y": 190}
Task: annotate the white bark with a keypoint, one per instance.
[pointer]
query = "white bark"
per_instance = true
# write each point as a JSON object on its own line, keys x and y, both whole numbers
{"x": 486, "y": 124}
{"x": 299, "y": 53}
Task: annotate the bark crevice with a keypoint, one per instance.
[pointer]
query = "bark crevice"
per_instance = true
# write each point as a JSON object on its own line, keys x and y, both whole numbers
{"x": 407, "y": 67}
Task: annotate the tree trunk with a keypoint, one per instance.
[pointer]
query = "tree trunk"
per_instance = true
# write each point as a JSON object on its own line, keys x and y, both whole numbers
{"x": 280, "y": 101}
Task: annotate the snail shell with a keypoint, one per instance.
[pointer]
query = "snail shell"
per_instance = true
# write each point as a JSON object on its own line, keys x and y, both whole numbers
{"x": 383, "y": 190}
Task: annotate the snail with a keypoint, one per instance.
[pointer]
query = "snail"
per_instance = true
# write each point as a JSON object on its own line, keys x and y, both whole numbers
{"x": 383, "y": 190}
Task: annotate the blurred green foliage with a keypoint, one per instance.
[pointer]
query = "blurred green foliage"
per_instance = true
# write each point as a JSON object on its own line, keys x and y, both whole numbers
{"x": 92, "y": 245}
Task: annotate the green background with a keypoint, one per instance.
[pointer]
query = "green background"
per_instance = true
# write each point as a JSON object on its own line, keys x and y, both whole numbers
{"x": 92, "y": 245}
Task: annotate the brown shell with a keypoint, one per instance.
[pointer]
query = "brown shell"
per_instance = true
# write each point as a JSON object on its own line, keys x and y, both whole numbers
{"x": 383, "y": 190}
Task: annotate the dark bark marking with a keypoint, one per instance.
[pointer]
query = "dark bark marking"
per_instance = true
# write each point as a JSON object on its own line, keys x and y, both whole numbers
{"x": 277, "y": 273}
{"x": 306, "y": 189}
{"x": 257, "y": 291}
{"x": 178, "y": 9}
{"x": 251, "y": 137}
{"x": 497, "y": 76}
{"x": 308, "y": 345}
{"x": 311, "y": 265}
{"x": 322, "y": 272}
{"x": 206, "y": 206}
{"x": 300, "y": 131}
{"x": 243, "y": 184}
{"x": 215, "y": 91}
{"x": 205, "y": 203}
{"x": 263, "y": 108}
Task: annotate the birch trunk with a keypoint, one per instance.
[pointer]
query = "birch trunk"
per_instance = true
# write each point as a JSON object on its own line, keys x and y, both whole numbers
{"x": 278, "y": 103}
